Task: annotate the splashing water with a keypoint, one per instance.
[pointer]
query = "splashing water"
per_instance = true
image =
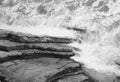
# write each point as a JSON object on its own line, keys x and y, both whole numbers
{"x": 99, "y": 19}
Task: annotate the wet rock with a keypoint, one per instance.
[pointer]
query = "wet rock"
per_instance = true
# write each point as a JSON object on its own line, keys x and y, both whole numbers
{"x": 36, "y": 70}
{"x": 28, "y": 38}
{"x": 117, "y": 79}
{"x": 77, "y": 29}
{"x": 30, "y": 60}
{"x": 29, "y": 54}
{"x": 7, "y": 45}
{"x": 99, "y": 77}
{"x": 75, "y": 78}
{"x": 11, "y": 50}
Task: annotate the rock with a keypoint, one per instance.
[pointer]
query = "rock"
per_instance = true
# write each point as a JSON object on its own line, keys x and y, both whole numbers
{"x": 75, "y": 78}
{"x": 28, "y": 38}
{"x": 34, "y": 59}
{"x": 77, "y": 29}
{"x": 117, "y": 79}
{"x": 7, "y": 45}
{"x": 99, "y": 77}
{"x": 36, "y": 70}
{"x": 27, "y": 54}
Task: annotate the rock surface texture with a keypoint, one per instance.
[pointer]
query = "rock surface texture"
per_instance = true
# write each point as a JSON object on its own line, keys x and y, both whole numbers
{"x": 28, "y": 58}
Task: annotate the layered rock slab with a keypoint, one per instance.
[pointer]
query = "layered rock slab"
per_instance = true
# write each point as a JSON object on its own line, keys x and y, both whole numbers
{"x": 29, "y": 38}
{"x": 28, "y": 58}
{"x": 34, "y": 70}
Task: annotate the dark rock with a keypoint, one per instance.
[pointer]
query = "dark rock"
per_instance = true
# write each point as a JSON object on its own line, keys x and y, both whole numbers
{"x": 117, "y": 79}
{"x": 77, "y": 29}
{"x": 28, "y": 38}
{"x": 29, "y": 54}
{"x": 7, "y": 45}
{"x": 12, "y": 50}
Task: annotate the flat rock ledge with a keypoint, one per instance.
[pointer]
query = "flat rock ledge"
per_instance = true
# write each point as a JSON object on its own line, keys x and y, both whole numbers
{"x": 29, "y": 58}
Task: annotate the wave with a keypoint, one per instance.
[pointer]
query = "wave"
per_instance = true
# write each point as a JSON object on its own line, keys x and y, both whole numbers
{"x": 93, "y": 22}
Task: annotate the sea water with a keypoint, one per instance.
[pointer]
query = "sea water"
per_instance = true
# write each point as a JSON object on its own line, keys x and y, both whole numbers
{"x": 99, "y": 45}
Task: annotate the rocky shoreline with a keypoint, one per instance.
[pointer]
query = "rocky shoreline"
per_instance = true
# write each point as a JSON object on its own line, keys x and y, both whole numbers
{"x": 29, "y": 58}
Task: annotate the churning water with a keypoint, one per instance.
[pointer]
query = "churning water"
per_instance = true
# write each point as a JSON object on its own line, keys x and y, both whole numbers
{"x": 99, "y": 48}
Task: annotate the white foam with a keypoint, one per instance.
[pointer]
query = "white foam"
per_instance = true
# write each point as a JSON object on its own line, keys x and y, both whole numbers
{"x": 98, "y": 57}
